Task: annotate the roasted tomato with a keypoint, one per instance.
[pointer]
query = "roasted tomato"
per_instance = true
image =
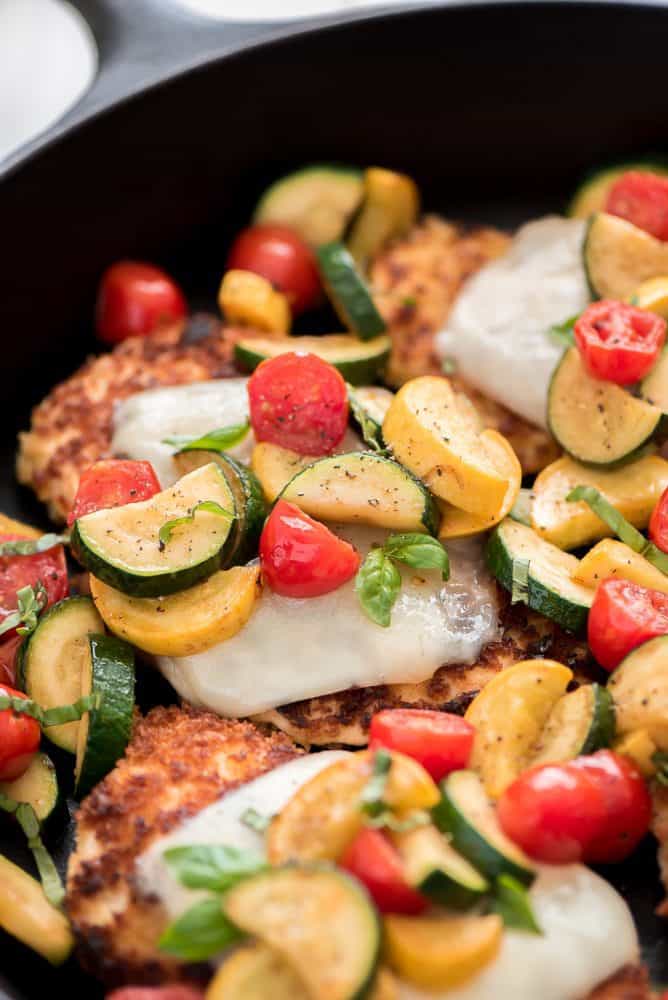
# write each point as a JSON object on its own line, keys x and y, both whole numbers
{"x": 133, "y": 299}
{"x": 300, "y": 402}
{"x": 17, "y": 572}
{"x": 280, "y": 256}
{"x": 658, "y": 523}
{"x": 373, "y": 860}
{"x": 441, "y": 742}
{"x": 628, "y": 806}
{"x": 8, "y": 651}
{"x": 113, "y": 482}
{"x": 641, "y": 197}
{"x": 618, "y": 342}
{"x": 301, "y": 557}
{"x": 19, "y": 739}
{"x": 623, "y": 616}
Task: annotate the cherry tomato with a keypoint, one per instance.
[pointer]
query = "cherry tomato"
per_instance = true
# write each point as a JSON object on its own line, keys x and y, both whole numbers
{"x": 300, "y": 402}
{"x": 301, "y": 557}
{"x": 628, "y": 805}
{"x": 622, "y": 616}
{"x": 641, "y": 197}
{"x": 175, "y": 991}
{"x": 19, "y": 739}
{"x": 113, "y": 482}
{"x": 133, "y": 299}
{"x": 8, "y": 650}
{"x": 658, "y": 523}
{"x": 21, "y": 571}
{"x": 280, "y": 256}
{"x": 618, "y": 342}
{"x": 553, "y": 811}
{"x": 373, "y": 860}
{"x": 440, "y": 741}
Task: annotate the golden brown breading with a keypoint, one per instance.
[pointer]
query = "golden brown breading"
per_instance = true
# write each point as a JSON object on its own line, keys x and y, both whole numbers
{"x": 178, "y": 761}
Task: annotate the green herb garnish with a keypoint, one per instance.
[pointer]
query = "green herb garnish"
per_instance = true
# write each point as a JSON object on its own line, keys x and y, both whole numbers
{"x": 165, "y": 533}
{"x": 371, "y": 799}
{"x": 31, "y": 602}
{"x": 202, "y": 932}
{"x": 255, "y": 820}
{"x": 32, "y": 546}
{"x": 48, "y": 873}
{"x": 47, "y": 717}
{"x": 371, "y": 432}
{"x": 511, "y": 901}
{"x": 378, "y": 580}
{"x": 212, "y": 866}
{"x": 562, "y": 333}
{"x": 520, "y": 581}
{"x": 217, "y": 440}
{"x": 620, "y": 526}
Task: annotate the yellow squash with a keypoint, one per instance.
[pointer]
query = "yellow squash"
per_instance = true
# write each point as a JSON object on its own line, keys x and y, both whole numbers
{"x": 275, "y": 466}
{"x": 8, "y": 526}
{"x": 457, "y": 523}
{"x": 27, "y": 915}
{"x": 652, "y": 295}
{"x": 184, "y": 623}
{"x": 247, "y": 299}
{"x": 640, "y": 747}
{"x": 391, "y": 205}
{"x": 639, "y": 689}
{"x": 611, "y": 558}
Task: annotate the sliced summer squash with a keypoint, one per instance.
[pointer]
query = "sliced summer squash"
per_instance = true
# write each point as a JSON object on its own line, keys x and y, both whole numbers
{"x": 275, "y": 467}
{"x": 27, "y": 915}
{"x": 185, "y": 623}
{"x": 437, "y": 870}
{"x": 437, "y": 438}
{"x": 8, "y": 526}
{"x": 256, "y": 972}
{"x": 581, "y": 722}
{"x": 596, "y": 422}
{"x": 363, "y": 487}
{"x": 539, "y": 574}
{"x": 639, "y": 688}
{"x": 652, "y": 295}
{"x": 248, "y": 299}
{"x": 358, "y": 361}
{"x": 611, "y": 558}
{"x": 390, "y": 208}
{"x": 317, "y": 201}
{"x": 348, "y": 291}
{"x": 633, "y": 489}
{"x": 592, "y": 194}
{"x": 640, "y": 746}
{"x": 333, "y": 932}
{"x": 619, "y": 256}
{"x": 38, "y": 786}
{"x": 121, "y": 546}
{"x": 654, "y": 387}
{"x": 457, "y": 523}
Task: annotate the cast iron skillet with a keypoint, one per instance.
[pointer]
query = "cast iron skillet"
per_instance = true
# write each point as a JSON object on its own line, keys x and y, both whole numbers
{"x": 495, "y": 110}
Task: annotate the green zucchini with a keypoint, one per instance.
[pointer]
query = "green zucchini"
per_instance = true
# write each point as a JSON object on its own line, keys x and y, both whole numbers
{"x": 597, "y": 422}
{"x": 466, "y": 816}
{"x": 51, "y": 661}
{"x": 348, "y": 291}
{"x": 319, "y": 920}
{"x": 121, "y": 546}
{"x": 437, "y": 870}
{"x": 104, "y": 732}
{"x": 521, "y": 509}
{"x": 581, "y": 722}
{"x": 38, "y": 786}
{"x": 317, "y": 201}
{"x": 364, "y": 487}
{"x": 549, "y": 588}
{"x": 619, "y": 256}
{"x": 358, "y": 362}
{"x": 592, "y": 194}
{"x": 368, "y": 406}
{"x": 654, "y": 387}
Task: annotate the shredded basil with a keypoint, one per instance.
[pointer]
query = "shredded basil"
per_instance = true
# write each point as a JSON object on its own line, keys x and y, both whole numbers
{"x": 213, "y": 866}
{"x": 255, "y": 820}
{"x": 511, "y": 901}
{"x": 32, "y": 546}
{"x": 217, "y": 440}
{"x": 371, "y": 799}
{"x": 620, "y": 526}
{"x": 31, "y": 602}
{"x": 47, "y": 717}
{"x": 202, "y": 932}
{"x": 386, "y": 819}
{"x": 449, "y": 366}
{"x": 520, "y": 581}
{"x": 48, "y": 873}
{"x": 165, "y": 533}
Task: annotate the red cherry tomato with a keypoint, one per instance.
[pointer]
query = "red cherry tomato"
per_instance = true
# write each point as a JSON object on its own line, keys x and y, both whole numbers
{"x": 301, "y": 557}
{"x": 441, "y": 742}
{"x": 641, "y": 197}
{"x": 373, "y": 860}
{"x": 300, "y": 402}
{"x": 133, "y": 299}
{"x": 113, "y": 482}
{"x": 619, "y": 342}
{"x": 21, "y": 571}
{"x": 19, "y": 739}
{"x": 623, "y": 616}
{"x": 177, "y": 991}
{"x": 658, "y": 523}
{"x": 280, "y": 256}
{"x": 628, "y": 805}
{"x": 8, "y": 650}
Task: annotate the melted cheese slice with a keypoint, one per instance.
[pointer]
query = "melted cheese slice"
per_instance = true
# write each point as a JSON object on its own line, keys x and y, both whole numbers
{"x": 292, "y": 649}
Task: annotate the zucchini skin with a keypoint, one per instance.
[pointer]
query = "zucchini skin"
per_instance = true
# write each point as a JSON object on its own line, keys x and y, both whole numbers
{"x": 446, "y": 891}
{"x": 602, "y": 729}
{"x": 358, "y": 371}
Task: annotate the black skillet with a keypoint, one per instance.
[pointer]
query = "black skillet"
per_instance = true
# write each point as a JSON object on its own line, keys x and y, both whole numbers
{"x": 495, "y": 110}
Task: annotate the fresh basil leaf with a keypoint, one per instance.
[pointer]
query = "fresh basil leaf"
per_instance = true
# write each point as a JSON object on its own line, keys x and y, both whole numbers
{"x": 520, "y": 581}
{"x": 511, "y": 901}
{"x": 562, "y": 333}
{"x": 217, "y": 440}
{"x": 255, "y": 820}
{"x": 165, "y": 533}
{"x": 371, "y": 799}
{"x": 449, "y": 366}
{"x": 377, "y": 585}
{"x": 200, "y": 933}
{"x": 31, "y": 546}
{"x": 618, "y": 524}
{"x": 31, "y": 602}
{"x": 370, "y": 429}
{"x": 419, "y": 552}
{"x": 212, "y": 866}
{"x": 387, "y": 820}
{"x": 660, "y": 761}
{"x": 51, "y": 716}
{"x": 48, "y": 873}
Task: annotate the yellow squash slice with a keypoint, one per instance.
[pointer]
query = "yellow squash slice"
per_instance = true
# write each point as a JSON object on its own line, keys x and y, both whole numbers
{"x": 640, "y": 747}
{"x": 611, "y": 558}
{"x": 275, "y": 467}
{"x": 652, "y": 295}
{"x": 8, "y": 526}
{"x": 27, "y": 915}
{"x": 639, "y": 688}
{"x": 457, "y": 523}
{"x": 390, "y": 207}
{"x": 247, "y": 299}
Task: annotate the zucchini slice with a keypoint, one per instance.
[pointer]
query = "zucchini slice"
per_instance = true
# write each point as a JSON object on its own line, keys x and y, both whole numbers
{"x": 437, "y": 870}
{"x": 104, "y": 732}
{"x": 38, "y": 786}
{"x": 122, "y": 548}
{"x": 317, "y": 201}
{"x": 465, "y": 814}
{"x": 639, "y": 688}
{"x": 358, "y": 362}
{"x": 550, "y": 585}
{"x": 521, "y": 509}
{"x": 390, "y": 208}
{"x": 348, "y": 292}
{"x": 619, "y": 256}
{"x": 27, "y": 915}
{"x": 364, "y": 487}
{"x": 654, "y": 387}
{"x": 333, "y": 931}
{"x": 596, "y": 422}
{"x": 581, "y": 722}
{"x": 592, "y": 194}
{"x": 255, "y": 972}
{"x": 368, "y": 406}
{"x": 51, "y": 661}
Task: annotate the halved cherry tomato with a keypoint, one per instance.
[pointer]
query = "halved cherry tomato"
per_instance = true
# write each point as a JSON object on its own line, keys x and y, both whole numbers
{"x": 622, "y": 616}
{"x": 19, "y": 739}
{"x": 658, "y": 523}
{"x": 628, "y": 805}
{"x": 113, "y": 482}
{"x": 175, "y": 991}
{"x": 300, "y": 557}
{"x": 300, "y": 402}
{"x": 618, "y": 342}
{"x": 16, "y": 572}
{"x": 280, "y": 256}
{"x": 440, "y": 741}
{"x": 641, "y": 197}
{"x": 8, "y": 650}
{"x": 374, "y": 861}
{"x": 133, "y": 299}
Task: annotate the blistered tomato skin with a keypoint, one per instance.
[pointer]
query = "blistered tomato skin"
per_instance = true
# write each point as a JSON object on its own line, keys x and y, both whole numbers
{"x": 280, "y": 256}
{"x": 440, "y": 741}
{"x": 300, "y": 402}
{"x": 49, "y": 568}
{"x": 618, "y": 342}
{"x": 628, "y": 805}
{"x": 658, "y": 523}
{"x": 133, "y": 299}
{"x": 113, "y": 482}
{"x": 622, "y": 616}
{"x": 374, "y": 862}
{"x": 641, "y": 198}
{"x": 19, "y": 739}
{"x": 301, "y": 557}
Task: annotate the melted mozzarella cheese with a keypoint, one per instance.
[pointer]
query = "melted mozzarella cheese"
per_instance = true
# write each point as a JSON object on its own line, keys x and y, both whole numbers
{"x": 292, "y": 649}
{"x": 497, "y": 332}
{"x": 221, "y": 823}
{"x": 588, "y": 934}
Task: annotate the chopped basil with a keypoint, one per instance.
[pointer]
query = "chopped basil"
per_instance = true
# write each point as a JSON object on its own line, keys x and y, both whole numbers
{"x": 217, "y": 440}
{"x": 371, "y": 799}
{"x": 511, "y": 901}
{"x": 165, "y": 533}
{"x": 31, "y": 602}
{"x": 562, "y": 333}
{"x": 48, "y": 873}
{"x": 32, "y": 546}
{"x": 51, "y": 716}
{"x": 620, "y": 526}
{"x": 520, "y": 581}
{"x": 212, "y": 866}
{"x": 387, "y": 819}
{"x": 255, "y": 820}
{"x": 449, "y": 366}
{"x": 200, "y": 933}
